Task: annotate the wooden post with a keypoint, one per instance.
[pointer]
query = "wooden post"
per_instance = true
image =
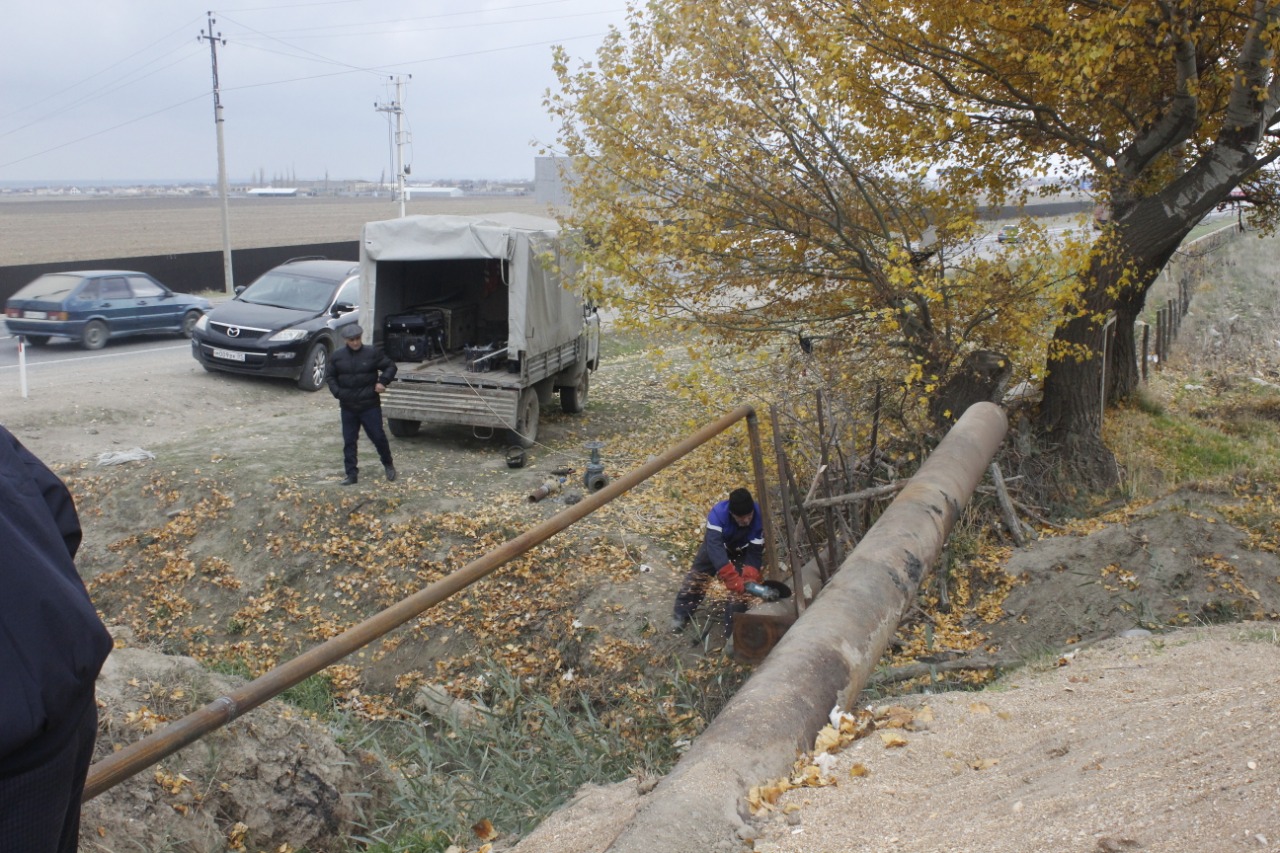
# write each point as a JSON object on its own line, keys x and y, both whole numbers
{"x": 1146, "y": 335}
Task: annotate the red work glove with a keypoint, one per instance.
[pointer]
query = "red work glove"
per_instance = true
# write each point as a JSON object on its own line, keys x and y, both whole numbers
{"x": 733, "y": 581}
{"x": 750, "y": 574}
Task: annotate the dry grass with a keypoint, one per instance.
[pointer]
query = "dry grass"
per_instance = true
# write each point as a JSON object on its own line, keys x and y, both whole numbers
{"x": 54, "y": 230}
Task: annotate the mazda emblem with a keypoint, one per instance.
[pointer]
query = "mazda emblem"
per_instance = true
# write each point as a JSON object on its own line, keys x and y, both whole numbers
{"x": 233, "y": 331}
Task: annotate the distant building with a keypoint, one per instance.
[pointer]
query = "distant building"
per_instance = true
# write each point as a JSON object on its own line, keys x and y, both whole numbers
{"x": 433, "y": 192}
{"x": 549, "y": 177}
{"x": 274, "y": 192}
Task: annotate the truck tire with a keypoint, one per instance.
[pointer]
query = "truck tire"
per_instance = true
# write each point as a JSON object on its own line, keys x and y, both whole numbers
{"x": 526, "y": 432}
{"x": 402, "y": 428}
{"x": 573, "y": 398}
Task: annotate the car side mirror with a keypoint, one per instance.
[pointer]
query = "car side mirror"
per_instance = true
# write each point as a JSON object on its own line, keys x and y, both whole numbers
{"x": 240, "y": 288}
{"x": 340, "y": 308}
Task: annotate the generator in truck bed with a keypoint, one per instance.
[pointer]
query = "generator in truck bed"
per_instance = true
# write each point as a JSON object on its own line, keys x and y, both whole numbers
{"x": 479, "y": 314}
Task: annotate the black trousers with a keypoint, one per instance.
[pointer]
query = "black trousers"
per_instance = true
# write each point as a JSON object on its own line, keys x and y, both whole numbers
{"x": 40, "y": 808}
{"x": 371, "y": 420}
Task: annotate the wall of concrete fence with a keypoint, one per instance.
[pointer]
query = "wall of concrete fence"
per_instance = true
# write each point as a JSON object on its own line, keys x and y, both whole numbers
{"x": 191, "y": 272}
{"x": 1169, "y": 298}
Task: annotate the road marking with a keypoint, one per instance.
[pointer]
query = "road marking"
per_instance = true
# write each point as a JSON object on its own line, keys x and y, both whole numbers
{"x": 31, "y": 364}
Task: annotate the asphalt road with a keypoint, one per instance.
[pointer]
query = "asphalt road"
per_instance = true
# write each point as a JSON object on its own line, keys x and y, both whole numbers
{"x": 63, "y": 365}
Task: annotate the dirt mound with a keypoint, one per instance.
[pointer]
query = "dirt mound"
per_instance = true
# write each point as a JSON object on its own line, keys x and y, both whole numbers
{"x": 1149, "y": 743}
{"x": 275, "y": 776}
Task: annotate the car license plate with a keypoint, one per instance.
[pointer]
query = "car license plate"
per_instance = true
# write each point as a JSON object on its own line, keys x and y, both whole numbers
{"x": 228, "y": 355}
{"x": 36, "y": 315}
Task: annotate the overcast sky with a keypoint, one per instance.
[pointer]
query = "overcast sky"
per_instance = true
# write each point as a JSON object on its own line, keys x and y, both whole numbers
{"x": 122, "y": 89}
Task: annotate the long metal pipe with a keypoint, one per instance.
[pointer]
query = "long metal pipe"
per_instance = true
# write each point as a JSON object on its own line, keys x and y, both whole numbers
{"x": 119, "y": 766}
{"x": 825, "y": 658}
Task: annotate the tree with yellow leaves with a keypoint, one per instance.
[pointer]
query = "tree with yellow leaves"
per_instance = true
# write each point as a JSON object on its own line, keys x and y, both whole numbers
{"x": 807, "y": 166}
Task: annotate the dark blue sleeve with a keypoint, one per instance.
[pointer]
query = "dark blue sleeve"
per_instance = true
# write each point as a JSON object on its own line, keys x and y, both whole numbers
{"x": 387, "y": 367}
{"x": 719, "y": 523}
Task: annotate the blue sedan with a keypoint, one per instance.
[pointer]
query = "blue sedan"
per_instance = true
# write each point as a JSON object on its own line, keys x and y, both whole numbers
{"x": 91, "y": 306}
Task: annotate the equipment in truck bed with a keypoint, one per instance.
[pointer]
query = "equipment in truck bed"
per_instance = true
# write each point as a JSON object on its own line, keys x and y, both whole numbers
{"x": 414, "y": 336}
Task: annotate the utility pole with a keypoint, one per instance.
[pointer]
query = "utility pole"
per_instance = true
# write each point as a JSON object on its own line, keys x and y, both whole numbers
{"x": 401, "y": 138}
{"x": 213, "y": 40}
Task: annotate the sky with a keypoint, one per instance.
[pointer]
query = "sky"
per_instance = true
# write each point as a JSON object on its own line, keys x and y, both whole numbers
{"x": 122, "y": 90}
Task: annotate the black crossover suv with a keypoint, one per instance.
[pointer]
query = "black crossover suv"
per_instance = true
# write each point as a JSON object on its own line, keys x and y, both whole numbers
{"x": 284, "y": 324}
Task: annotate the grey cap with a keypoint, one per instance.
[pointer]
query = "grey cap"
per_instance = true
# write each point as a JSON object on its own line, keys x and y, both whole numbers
{"x": 352, "y": 330}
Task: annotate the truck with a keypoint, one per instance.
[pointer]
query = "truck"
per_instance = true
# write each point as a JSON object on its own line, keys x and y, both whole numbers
{"x": 479, "y": 314}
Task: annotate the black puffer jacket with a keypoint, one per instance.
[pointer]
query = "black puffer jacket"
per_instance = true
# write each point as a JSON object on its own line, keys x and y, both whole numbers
{"x": 351, "y": 376}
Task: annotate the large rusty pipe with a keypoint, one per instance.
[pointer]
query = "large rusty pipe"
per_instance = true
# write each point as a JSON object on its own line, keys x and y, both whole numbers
{"x": 119, "y": 766}
{"x": 824, "y": 660}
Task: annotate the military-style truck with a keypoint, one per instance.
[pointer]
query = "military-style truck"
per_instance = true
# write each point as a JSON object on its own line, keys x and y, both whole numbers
{"x": 478, "y": 315}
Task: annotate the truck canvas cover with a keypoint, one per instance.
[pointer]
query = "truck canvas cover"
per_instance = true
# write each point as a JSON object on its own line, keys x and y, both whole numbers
{"x": 542, "y": 314}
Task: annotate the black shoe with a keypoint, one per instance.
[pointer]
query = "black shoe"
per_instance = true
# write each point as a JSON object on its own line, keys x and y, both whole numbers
{"x": 391, "y": 473}
{"x": 350, "y": 481}
{"x": 678, "y": 623}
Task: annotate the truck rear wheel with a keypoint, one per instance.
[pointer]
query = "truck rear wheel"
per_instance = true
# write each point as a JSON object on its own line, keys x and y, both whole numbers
{"x": 526, "y": 432}
{"x": 402, "y": 428}
{"x": 573, "y": 398}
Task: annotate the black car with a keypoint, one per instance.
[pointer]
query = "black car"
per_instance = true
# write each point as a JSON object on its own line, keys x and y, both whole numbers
{"x": 91, "y": 306}
{"x": 284, "y": 324}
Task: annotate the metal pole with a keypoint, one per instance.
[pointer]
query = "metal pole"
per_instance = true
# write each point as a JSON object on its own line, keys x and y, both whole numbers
{"x": 119, "y": 766}
{"x": 762, "y": 494}
{"x": 22, "y": 365}
{"x": 793, "y": 556}
{"x": 229, "y": 278}
{"x": 400, "y": 143}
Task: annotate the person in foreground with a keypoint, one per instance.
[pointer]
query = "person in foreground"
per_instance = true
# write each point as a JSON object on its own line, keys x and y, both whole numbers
{"x": 732, "y": 550}
{"x": 356, "y": 375}
{"x": 52, "y": 646}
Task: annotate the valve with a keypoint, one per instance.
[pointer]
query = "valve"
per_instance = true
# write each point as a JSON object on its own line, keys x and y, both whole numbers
{"x": 594, "y": 477}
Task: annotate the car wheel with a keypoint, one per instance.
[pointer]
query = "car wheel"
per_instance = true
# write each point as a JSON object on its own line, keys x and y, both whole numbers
{"x": 313, "y": 367}
{"x": 37, "y": 340}
{"x": 573, "y": 398}
{"x": 189, "y": 321}
{"x": 402, "y": 428}
{"x": 94, "y": 335}
{"x": 526, "y": 432}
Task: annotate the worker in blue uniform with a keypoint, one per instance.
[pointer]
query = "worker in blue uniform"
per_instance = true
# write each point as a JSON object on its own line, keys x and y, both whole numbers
{"x": 732, "y": 551}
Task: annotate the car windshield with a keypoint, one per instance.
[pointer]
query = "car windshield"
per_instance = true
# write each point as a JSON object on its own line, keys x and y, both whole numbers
{"x": 285, "y": 290}
{"x": 49, "y": 288}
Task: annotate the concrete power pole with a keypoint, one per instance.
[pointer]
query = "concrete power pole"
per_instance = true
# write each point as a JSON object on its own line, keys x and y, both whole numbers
{"x": 213, "y": 40}
{"x": 402, "y": 137}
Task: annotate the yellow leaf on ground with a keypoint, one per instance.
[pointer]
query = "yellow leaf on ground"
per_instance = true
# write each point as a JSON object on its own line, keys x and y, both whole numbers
{"x": 484, "y": 830}
{"x": 892, "y": 739}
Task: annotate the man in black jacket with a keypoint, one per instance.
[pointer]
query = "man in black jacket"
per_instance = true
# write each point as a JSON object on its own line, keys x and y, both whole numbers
{"x": 356, "y": 375}
{"x": 52, "y": 645}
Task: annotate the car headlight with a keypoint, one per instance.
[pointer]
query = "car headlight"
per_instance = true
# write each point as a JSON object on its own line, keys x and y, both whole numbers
{"x": 203, "y": 323}
{"x": 288, "y": 335}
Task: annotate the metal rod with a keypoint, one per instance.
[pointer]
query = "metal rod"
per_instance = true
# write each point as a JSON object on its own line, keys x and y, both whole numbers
{"x": 762, "y": 494}
{"x": 793, "y": 555}
{"x": 119, "y": 766}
